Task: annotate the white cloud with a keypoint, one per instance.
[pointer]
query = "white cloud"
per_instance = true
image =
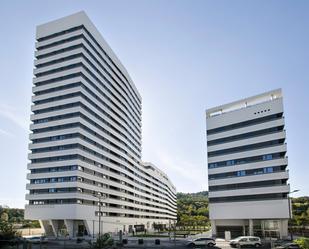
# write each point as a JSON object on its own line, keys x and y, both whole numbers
{"x": 5, "y": 133}
{"x": 15, "y": 116}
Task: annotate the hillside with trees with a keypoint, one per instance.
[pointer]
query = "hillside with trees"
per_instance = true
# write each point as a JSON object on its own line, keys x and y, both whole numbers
{"x": 193, "y": 209}
{"x": 16, "y": 216}
{"x": 300, "y": 211}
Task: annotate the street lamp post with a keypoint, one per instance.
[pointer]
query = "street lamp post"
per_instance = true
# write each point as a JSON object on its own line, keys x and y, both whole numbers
{"x": 169, "y": 229}
{"x": 290, "y": 213}
{"x": 99, "y": 216}
{"x": 100, "y": 197}
{"x": 174, "y": 231}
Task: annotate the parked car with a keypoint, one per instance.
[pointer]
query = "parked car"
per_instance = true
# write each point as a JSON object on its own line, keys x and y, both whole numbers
{"x": 288, "y": 245}
{"x": 201, "y": 241}
{"x": 37, "y": 239}
{"x": 280, "y": 242}
{"x": 246, "y": 241}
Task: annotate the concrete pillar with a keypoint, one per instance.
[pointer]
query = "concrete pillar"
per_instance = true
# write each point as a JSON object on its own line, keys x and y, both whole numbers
{"x": 91, "y": 226}
{"x": 43, "y": 226}
{"x": 70, "y": 227}
{"x": 47, "y": 228}
{"x": 213, "y": 228}
{"x": 250, "y": 227}
{"x": 283, "y": 229}
{"x": 263, "y": 228}
{"x": 54, "y": 224}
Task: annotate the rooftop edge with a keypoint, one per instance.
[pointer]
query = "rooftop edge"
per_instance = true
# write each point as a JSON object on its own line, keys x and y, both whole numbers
{"x": 244, "y": 103}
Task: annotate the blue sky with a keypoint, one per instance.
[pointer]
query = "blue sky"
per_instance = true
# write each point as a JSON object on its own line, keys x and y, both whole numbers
{"x": 184, "y": 57}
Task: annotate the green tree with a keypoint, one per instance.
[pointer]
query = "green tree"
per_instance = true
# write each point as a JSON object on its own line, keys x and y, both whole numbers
{"x": 192, "y": 209}
{"x": 4, "y": 217}
{"x": 7, "y": 231}
{"x": 203, "y": 211}
{"x": 300, "y": 207}
{"x": 303, "y": 243}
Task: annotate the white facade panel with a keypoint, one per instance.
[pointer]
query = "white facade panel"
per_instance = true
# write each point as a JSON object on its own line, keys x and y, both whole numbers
{"x": 250, "y": 191}
{"x": 243, "y": 142}
{"x": 271, "y": 209}
{"x": 247, "y": 166}
{"x": 254, "y": 178}
{"x": 247, "y": 129}
{"x": 251, "y": 153}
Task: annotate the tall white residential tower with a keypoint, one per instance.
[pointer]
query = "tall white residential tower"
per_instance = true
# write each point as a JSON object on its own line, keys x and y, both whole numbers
{"x": 247, "y": 167}
{"x": 86, "y": 139}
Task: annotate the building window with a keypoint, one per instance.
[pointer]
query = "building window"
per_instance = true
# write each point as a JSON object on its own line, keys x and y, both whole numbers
{"x": 268, "y": 170}
{"x": 212, "y": 165}
{"x": 267, "y": 157}
{"x": 241, "y": 173}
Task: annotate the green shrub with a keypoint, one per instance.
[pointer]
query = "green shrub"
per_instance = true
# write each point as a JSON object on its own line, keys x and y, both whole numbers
{"x": 303, "y": 243}
{"x": 7, "y": 231}
{"x": 104, "y": 241}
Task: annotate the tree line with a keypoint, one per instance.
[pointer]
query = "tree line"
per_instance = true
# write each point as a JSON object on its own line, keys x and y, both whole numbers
{"x": 300, "y": 211}
{"x": 16, "y": 216}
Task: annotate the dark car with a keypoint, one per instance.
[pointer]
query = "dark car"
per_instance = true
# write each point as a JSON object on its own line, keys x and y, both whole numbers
{"x": 202, "y": 241}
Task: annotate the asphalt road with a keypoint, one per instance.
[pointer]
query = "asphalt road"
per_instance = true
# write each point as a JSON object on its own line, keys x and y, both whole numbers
{"x": 181, "y": 243}
{"x": 149, "y": 243}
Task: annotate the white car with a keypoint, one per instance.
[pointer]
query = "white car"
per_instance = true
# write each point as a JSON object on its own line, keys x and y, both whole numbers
{"x": 37, "y": 239}
{"x": 201, "y": 242}
{"x": 246, "y": 241}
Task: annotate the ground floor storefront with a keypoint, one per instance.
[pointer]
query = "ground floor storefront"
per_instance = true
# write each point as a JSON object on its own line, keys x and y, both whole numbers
{"x": 91, "y": 228}
{"x": 250, "y": 227}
